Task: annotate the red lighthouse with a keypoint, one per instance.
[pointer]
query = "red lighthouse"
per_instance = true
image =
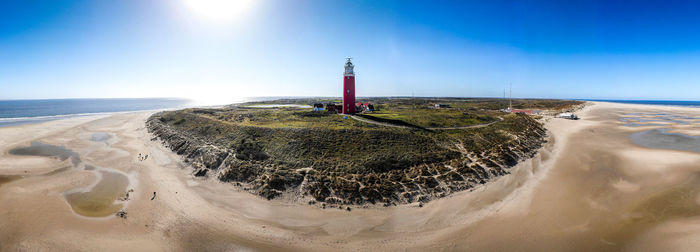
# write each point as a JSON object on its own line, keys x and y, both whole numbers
{"x": 349, "y": 88}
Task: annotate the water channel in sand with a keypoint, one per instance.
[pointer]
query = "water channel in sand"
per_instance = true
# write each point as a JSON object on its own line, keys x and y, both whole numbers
{"x": 97, "y": 200}
{"x": 8, "y": 178}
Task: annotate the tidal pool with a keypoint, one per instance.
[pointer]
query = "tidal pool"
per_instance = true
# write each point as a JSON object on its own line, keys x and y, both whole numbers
{"x": 96, "y": 201}
{"x": 657, "y": 118}
{"x": 47, "y": 150}
{"x": 661, "y": 139}
{"x": 99, "y": 201}
{"x": 100, "y": 137}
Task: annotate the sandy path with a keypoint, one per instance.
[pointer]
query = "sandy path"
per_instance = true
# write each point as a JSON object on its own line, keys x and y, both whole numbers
{"x": 365, "y": 120}
{"x": 581, "y": 190}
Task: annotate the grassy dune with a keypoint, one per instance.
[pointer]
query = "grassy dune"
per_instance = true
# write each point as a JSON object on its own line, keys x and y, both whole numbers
{"x": 331, "y": 159}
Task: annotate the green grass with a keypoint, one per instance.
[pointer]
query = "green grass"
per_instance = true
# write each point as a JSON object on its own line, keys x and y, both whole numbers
{"x": 271, "y": 144}
{"x": 301, "y": 137}
{"x": 431, "y": 117}
{"x": 294, "y": 134}
{"x": 419, "y": 112}
{"x": 285, "y": 118}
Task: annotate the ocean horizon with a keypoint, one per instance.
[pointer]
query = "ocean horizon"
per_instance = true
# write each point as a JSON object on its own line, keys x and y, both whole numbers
{"x": 651, "y": 102}
{"x": 18, "y": 112}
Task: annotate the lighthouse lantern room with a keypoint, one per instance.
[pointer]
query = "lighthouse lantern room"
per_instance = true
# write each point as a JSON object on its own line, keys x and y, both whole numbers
{"x": 349, "y": 88}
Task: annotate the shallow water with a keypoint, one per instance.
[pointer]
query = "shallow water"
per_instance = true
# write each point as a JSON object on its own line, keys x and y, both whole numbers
{"x": 661, "y": 139}
{"x": 651, "y": 120}
{"x": 100, "y": 137}
{"x": 668, "y": 119}
{"x": 99, "y": 201}
{"x": 655, "y": 119}
{"x": 643, "y": 124}
{"x": 47, "y": 150}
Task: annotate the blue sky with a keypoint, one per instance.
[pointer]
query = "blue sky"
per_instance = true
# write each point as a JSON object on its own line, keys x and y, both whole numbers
{"x": 166, "y": 48}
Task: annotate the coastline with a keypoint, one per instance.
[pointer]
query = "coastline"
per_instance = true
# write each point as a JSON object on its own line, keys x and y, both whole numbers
{"x": 22, "y": 121}
{"x": 21, "y": 112}
{"x": 541, "y": 197}
{"x": 675, "y": 103}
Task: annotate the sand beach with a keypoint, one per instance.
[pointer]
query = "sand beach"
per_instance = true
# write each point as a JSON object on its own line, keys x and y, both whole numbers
{"x": 592, "y": 187}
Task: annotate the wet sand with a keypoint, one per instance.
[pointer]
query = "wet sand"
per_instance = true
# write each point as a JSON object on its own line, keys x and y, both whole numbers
{"x": 100, "y": 199}
{"x": 590, "y": 188}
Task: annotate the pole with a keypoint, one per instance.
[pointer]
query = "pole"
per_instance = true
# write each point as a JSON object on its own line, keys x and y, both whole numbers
{"x": 413, "y": 97}
{"x": 504, "y": 98}
{"x": 510, "y": 100}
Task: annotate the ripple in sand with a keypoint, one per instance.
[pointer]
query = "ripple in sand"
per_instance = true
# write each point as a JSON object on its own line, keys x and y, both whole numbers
{"x": 642, "y": 124}
{"x": 672, "y": 203}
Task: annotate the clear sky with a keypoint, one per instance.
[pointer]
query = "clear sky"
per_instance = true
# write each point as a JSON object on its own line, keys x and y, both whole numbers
{"x": 217, "y": 50}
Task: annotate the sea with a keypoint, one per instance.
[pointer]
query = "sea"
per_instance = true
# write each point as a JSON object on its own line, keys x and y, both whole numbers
{"x": 18, "y": 112}
{"x": 654, "y": 102}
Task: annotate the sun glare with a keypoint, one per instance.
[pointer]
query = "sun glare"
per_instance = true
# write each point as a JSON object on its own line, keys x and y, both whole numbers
{"x": 217, "y": 10}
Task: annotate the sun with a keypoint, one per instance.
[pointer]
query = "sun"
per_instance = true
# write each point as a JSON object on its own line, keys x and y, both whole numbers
{"x": 217, "y": 10}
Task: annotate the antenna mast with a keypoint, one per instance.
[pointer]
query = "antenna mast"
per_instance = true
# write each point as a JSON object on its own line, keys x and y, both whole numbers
{"x": 504, "y": 97}
{"x": 510, "y": 99}
{"x": 413, "y": 97}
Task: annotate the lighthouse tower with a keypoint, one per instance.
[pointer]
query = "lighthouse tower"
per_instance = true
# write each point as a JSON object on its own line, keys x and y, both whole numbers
{"x": 349, "y": 88}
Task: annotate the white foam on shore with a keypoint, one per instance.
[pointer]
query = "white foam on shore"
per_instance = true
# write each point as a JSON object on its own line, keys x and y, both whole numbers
{"x": 14, "y": 121}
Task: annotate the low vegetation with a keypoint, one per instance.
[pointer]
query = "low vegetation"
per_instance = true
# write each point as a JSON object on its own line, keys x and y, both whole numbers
{"x": 324, "y": 157}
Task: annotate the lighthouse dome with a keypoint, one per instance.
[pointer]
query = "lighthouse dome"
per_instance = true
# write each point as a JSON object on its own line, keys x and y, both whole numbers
{"x": 349, "y": 68}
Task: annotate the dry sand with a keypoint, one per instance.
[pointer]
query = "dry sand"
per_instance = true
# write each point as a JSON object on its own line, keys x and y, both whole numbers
{"x": 590, "y": 188}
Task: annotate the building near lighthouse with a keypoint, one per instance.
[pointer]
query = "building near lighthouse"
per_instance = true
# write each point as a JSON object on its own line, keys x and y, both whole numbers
{"x": 349, "y": 88}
